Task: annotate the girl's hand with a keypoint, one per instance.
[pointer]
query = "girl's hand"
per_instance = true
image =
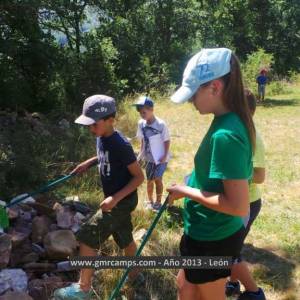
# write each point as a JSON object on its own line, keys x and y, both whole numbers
{"x": 176, "y": 191}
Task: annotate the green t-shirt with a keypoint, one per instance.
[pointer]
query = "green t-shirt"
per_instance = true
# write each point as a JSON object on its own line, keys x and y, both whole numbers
{"x": 258, "y": 162}
{"x": 225, "y": 153}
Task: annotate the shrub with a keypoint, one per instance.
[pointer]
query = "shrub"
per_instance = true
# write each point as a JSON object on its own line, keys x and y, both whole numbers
{"x": 254, "y": 63}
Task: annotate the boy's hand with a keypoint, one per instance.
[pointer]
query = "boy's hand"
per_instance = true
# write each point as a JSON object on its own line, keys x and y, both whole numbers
{"x": 108, "y": 204}
{"x": 175, "y": 192}
{"x": 81, "y": 168}
{"x": 163, "y": 159}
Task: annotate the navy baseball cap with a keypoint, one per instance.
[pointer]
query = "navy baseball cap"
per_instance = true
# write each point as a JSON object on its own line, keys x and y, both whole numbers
{"x": 96, "y": 108}
{"x": 144, "y": 101}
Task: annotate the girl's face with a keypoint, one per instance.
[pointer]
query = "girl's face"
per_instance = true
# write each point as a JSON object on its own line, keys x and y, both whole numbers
{"x": 202, "y": 99}
{"x": 208, "y": 98}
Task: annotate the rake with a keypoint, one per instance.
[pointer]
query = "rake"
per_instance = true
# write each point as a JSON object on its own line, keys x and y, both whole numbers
{"x": 140, "y": 249}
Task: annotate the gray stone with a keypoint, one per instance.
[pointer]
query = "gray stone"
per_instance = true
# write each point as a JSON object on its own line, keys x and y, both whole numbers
{"x": 40, "y": 267}
{"x": 64, "y": 266}
{"x": 54, "y": 227}
{"x": 22, "y": 225}
{"x": 19, "y": 255}
{"x": 18, "y": 238}
{"x": 43, "y": 209}
{"x": 13, "y": 213}
{"x": 64, "y": 216}
{"x": 30, "y": 258}
{"x": 40, "y": 227}
{"x": 60, "y": 244}
{"x": 15, "y": 296}
{"x": 73, "y": 201}
{"x": 13, "y": 279}
{"x": 38, "y": 249}
{"x": 22, "y": 210}
{"x": 42, "y": 289}
{"x": 77, "y": 221}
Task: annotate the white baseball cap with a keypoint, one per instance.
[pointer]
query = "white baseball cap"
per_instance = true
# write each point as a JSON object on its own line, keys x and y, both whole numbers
{"x": 204, "y": 66}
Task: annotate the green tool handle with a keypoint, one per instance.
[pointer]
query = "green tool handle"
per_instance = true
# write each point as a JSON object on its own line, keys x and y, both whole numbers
{"x": 46, "y": 187}
{"x": 140, "y": 249}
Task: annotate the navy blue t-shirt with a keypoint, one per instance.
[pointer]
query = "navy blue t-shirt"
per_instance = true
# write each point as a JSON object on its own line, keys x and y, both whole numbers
{"x": 114, "y": 153}
{"x": 261, "y": 79}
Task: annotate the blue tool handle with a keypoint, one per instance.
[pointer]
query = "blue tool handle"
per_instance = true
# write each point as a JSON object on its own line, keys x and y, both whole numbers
{"x": 46, "y": 187}
{"x": 42, "y": 189}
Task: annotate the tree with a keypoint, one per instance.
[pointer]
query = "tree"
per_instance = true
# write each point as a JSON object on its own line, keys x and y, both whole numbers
{"x": 27, "y": 57}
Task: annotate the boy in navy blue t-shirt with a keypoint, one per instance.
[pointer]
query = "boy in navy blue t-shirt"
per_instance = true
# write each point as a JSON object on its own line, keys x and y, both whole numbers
{"x": 120, "y": 175}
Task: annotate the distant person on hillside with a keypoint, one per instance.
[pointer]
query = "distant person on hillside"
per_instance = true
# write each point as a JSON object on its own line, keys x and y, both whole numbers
{"x": 261, "y": 80}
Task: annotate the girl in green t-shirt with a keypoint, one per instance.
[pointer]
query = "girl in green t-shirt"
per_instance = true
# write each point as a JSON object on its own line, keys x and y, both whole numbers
{"x": 217, "y": 194}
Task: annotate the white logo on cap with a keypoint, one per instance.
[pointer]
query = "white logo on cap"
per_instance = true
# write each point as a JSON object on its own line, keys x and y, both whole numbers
{"x": 101, "y": 109}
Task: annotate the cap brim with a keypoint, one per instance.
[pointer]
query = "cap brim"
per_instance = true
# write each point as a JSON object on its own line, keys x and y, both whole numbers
{"x": 142, "y": 105}
{"x": 182, "y": 95}
{"x": 83, "y": 120}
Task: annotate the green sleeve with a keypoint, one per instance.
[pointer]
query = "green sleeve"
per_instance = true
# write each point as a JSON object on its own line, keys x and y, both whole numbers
{"x": 231, "y": 158}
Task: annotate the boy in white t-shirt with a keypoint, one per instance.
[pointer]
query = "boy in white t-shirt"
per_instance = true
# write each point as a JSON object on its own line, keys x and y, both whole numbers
{"x": 155, "y": 143}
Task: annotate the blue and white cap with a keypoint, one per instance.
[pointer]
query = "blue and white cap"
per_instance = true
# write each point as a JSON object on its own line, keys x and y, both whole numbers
{"x": 96, "y": 108}
{"x": 206, "y": 65}
{"x": 144, "y": 101}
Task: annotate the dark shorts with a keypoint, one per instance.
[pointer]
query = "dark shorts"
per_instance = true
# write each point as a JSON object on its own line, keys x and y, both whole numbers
{"x": 255, "y": 208}
{"x": 230, "y": 246}
{"x": 154, "y": 171}
{"x": 102, "y": 225}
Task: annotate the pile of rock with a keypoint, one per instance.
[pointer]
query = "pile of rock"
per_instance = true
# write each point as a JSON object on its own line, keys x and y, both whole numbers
{"x": 34, "y": 250}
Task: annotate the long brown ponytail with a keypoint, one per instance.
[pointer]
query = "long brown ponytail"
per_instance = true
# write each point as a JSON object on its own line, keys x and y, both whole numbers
{"x": 234, "y": 97}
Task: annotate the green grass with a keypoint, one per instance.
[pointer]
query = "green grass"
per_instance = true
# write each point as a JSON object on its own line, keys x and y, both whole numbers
{"x": 272, "y": 247}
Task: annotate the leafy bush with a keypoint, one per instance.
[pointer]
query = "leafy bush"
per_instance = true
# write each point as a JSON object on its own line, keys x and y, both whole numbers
{"x": 276, "y": 88}
{"x": 255, "y": 62}
{"x": 294, "y": 77}
{"x": 32, "y": 152}
{"x": 127, "y": 117}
